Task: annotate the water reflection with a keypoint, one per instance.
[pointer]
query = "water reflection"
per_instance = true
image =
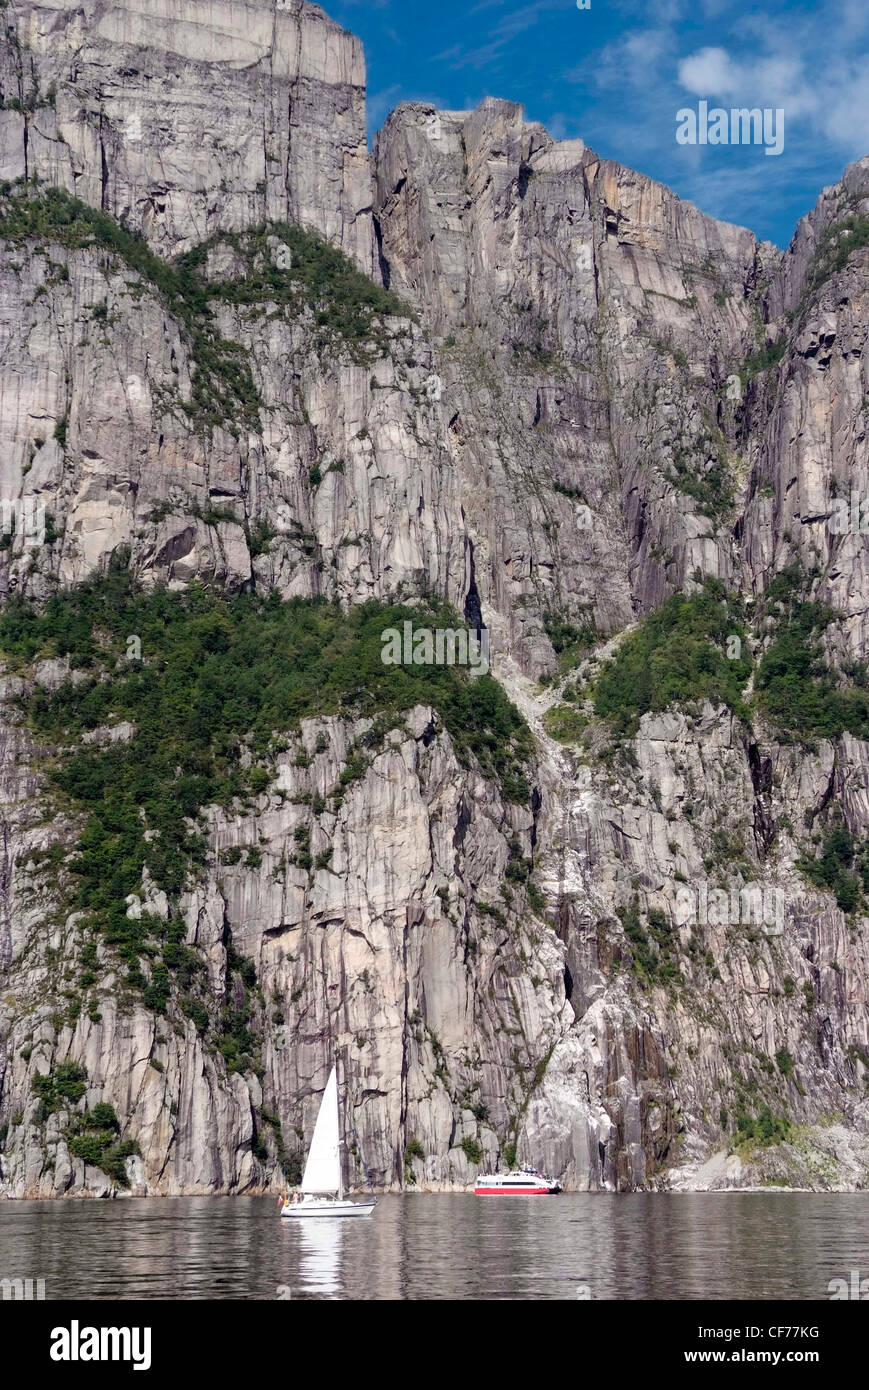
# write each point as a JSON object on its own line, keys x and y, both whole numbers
{"x": 319, "y": 1255}
{"x": 638, "y": 1246}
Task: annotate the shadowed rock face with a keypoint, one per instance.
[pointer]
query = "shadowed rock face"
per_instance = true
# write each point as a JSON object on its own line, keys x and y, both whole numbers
{"x": 549, "y": 433}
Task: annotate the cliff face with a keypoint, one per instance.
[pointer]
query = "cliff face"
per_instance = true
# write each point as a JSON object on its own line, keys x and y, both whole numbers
{"x": 606, "y": 303}
{"x": 569, "y": 396}
{"x": 185, "y": 119}
{"x": 384, "y": 953}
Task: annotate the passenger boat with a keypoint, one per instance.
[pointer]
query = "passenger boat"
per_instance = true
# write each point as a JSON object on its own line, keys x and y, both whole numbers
{"x": 522, "y": 1182}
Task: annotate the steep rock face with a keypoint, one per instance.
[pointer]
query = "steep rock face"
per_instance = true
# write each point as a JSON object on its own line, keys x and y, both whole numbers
{"x": 98, "y": 429}
{"x": 483, "y": 216}
{"x": 452, "y": 1020}
{"x": 602, "y": 393}
{"x": 761, "y": 988}
{"x": 187, "y": 119}
{"x": 811, "y": 419}
{"x": 603, "y": 303}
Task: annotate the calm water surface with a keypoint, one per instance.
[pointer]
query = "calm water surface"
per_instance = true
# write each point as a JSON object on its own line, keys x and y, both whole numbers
{"x": 639, "y": 1246}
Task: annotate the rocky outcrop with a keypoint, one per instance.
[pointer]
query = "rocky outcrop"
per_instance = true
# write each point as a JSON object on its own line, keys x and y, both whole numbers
{"x": 185, "y": 120}
{"x": 590, "y": 397}
{"x": 100, "y": 431}
{"x": 448, "y": 1015}
{"x": 810, "y": 419}
{"x": 590, "y": 301}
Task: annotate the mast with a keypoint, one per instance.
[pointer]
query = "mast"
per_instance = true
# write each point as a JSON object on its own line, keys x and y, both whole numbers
{"x": 340, "y": 1137}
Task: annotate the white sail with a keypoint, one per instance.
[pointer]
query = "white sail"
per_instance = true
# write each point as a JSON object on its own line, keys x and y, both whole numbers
{"x": 322, "y": 1174}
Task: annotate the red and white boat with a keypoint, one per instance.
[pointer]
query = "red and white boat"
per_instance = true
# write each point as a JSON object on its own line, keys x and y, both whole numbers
{"x": 523, "y": 1182}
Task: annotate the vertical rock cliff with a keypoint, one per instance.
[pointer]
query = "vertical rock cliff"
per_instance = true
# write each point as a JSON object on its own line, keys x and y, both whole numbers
{"x": 187, "y": 119}
{"x": 240, "y": 356}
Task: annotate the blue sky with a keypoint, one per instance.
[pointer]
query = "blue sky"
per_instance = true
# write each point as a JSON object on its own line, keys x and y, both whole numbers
{"x": 617, "y": 73}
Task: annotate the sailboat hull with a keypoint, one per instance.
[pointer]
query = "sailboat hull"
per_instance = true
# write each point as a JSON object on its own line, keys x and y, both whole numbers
{"x": 325, "y": 1206}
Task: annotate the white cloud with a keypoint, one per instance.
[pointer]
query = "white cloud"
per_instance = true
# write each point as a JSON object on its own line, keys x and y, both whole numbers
{"x": 630, "y": 61}
{"x": 708, "y": 72}
{"x": 776, "y": 80}
{"x": 845, "y": 118}
{"x": 811, "y": 62}
{"x": 828, "y": 94}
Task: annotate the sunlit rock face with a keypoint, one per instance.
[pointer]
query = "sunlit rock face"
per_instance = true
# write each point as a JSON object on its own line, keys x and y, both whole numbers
{"x": 557, "y": 427}
{"x": 188, "y": 118}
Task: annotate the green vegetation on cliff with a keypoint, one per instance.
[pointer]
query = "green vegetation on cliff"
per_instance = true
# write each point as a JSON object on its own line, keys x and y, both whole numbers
{"x": 347, "y": 307}
{"x": 766, "y": 356}
{"x": 796, "y": 687}
{"x": 222, "y": 388}
{"x": 705, "y": 475}
{"x": 835, "y": 247}
{"x": 695, "y": 647}
{"x": 840, "y": 864}
{"x": 218, "y": 685}
{"x": 217, "y": 679}
{"x": 678, "y": 654}
{"x": 291, "y": 267}
{"x": 65, "y": 1085}
{"x": 93, "y": 1137}
{"x": 761, "y": 1129}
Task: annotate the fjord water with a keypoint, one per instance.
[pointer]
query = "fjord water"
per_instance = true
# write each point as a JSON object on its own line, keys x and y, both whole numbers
{"x": 636, "y": 1246}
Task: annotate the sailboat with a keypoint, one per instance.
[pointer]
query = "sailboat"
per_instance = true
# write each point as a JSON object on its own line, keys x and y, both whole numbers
{"x": 322, "y": 1185}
